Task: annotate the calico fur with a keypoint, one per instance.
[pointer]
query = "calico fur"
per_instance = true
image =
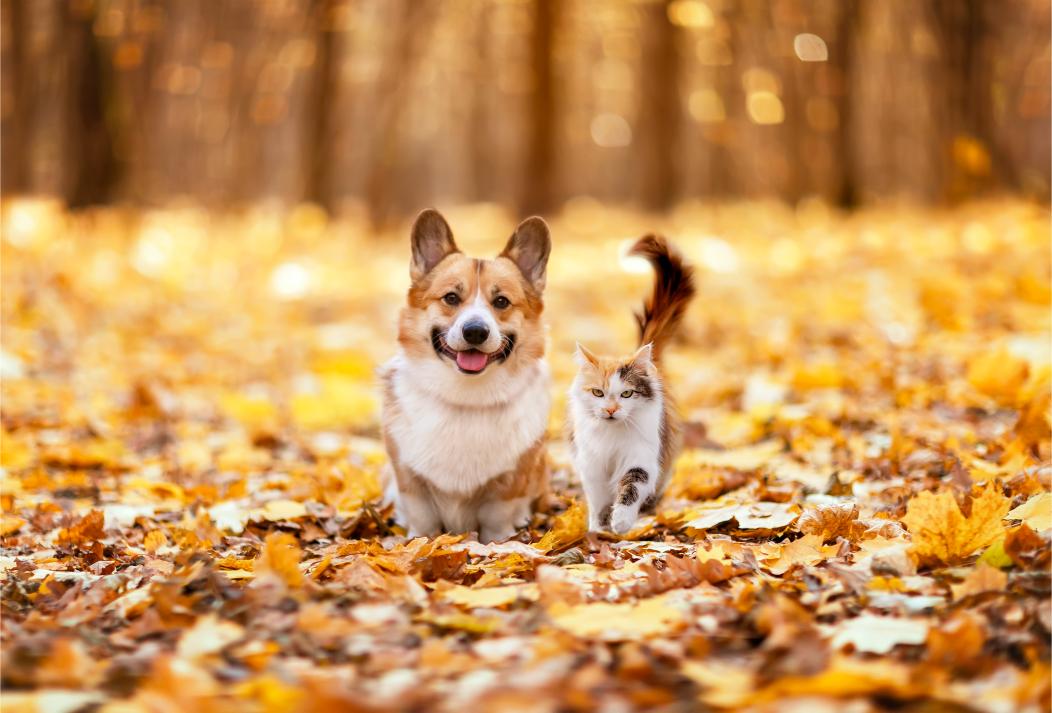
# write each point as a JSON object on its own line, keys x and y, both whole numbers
{"x": 624, "y": 428}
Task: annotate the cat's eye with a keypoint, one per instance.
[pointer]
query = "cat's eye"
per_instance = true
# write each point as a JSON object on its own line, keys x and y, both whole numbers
{"x": 501, "y": 302}
{"x": 451, "y": 298}
{"x": 627, "y": 394}
{"x": 598, "y": 393}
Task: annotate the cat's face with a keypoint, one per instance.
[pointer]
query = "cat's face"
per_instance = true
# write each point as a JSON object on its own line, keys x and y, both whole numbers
{"x": 614, "y": 389}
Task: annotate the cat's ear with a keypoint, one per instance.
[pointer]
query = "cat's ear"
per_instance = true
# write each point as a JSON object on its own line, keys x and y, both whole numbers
{"x": 529, "y": 247}
{"x": 432, "y": 241}
{"x": 583, "y": 357}
{"x": 644, "y": 356}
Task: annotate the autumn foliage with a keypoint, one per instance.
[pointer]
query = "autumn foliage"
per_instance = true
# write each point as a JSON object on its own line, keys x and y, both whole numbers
{"x": 192, "y": 516}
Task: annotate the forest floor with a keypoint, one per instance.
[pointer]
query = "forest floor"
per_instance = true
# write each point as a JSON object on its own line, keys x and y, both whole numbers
{"x": 861, "y": 520}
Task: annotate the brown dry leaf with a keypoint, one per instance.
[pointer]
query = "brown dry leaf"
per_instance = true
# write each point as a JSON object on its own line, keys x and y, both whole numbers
{"x": 940, "y": 532}
{"x": 87, "y": 529}
{"x": 958, "y": 642}
{"x": 280, "y": 557}
{"x": 831, "y": 522}
{"x": 983, "y": 578}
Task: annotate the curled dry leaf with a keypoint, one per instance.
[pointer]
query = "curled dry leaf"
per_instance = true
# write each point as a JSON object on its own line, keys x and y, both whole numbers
{"x": 87, "y": 529}
{"x": 983, "y": 578}
{"x": 280, "y": 557}
{"x": 832, "y": 521}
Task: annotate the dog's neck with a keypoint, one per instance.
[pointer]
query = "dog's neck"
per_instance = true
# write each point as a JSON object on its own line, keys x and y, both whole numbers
{"x": 499, "y": 385}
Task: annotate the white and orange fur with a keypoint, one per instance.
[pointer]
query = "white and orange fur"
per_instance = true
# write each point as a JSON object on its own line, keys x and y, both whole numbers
{"x": 624, "y": 429}
{"x": 466, "y": 400}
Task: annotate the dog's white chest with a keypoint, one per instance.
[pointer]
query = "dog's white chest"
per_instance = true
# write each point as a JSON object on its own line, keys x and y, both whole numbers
{"x": 460, "y": 448}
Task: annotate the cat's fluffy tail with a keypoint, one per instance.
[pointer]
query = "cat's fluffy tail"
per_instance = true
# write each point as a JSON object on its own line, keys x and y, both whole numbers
{"x": 673, "y": 290}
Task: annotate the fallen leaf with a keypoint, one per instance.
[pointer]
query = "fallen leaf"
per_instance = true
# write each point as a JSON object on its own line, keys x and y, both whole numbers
{"x": 754, "y": 516}
{"x": 807, "y": 550}
{"x": 999, "y": 375}
{"x": 9, "y": 524}
{"x": 280, "y": 557}
{"x": 565, "y": 530}
{"x": 831, "y": 522}
{"x": 154, "y": 540}
{"x": 89, "y": 528}
{"x": 209, "y": 635}
{"x": 617, "y": 622}
{"x": 1035, "y": 512}
{"x": 983, "y": 578}
{"x": 942, "y": 533}
{"x": 490, "y": 597}
{"x": 279, "y": 510}
{"x": 879, "y": 634}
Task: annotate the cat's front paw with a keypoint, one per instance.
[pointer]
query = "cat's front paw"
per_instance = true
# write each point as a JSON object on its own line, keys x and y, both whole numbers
{"x": 622, "y": 519}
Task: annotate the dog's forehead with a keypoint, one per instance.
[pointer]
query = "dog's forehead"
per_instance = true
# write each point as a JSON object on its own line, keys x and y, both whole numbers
{"x": 501, "y": 274}
{"x": 468, "y": 273}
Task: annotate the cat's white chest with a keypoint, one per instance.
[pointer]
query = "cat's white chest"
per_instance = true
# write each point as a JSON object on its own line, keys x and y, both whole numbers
{"x": 610, "y": 449}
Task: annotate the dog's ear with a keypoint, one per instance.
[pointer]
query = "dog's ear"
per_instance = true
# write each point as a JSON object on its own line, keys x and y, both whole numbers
{"x": 432, "y": 241}
{"x": 529, "y": 247}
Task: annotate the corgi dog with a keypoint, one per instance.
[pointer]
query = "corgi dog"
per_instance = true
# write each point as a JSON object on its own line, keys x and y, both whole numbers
{"x": 466, "y": 399}
{"x": 624, "y": 430}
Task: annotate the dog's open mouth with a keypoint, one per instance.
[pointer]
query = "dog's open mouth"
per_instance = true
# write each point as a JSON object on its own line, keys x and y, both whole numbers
{"x": 471, "y": 361}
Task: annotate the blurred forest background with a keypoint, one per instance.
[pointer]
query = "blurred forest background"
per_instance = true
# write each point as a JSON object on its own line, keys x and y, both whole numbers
{"x": 389, "y": 105}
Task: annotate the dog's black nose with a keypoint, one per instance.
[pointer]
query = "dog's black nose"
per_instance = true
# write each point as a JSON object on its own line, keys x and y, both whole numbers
{"x": 475, "y": 333}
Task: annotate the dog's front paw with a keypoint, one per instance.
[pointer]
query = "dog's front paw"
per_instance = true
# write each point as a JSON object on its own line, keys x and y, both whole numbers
{"x": 488, "y": 534}
{"x": 622, "y": 519}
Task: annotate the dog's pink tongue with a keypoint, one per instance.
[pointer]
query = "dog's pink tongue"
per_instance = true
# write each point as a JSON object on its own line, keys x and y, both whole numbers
{"x": 471, "y": 360}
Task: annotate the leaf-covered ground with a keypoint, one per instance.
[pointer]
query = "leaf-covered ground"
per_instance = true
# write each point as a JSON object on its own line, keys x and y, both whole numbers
{"x": 861, "y": 520}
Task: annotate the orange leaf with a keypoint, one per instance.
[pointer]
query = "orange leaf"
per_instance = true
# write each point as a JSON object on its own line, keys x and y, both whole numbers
{"x": 88, "y": 529}
{"x": 942, "y": 533}
{"x": 281, "y": 557}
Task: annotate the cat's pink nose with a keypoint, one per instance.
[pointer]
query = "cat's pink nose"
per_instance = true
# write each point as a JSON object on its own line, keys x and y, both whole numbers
{"x": 612, "y": 409}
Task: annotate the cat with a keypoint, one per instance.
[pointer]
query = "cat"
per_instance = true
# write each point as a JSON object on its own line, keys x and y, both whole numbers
{"x": 624, "y": 430}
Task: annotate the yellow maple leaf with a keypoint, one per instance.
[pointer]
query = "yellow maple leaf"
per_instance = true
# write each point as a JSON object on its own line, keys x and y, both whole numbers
{"x": 489, "y": 597}
{"x": 942, "y": 533}
{"x": 1035, "y": 512}
{"x": 566, "y": 529}
{"x": 807, "y": 551}
{"x": 617, "y": 622}
{"x": 154, "y": 539}
{"x": 280, "y": 557}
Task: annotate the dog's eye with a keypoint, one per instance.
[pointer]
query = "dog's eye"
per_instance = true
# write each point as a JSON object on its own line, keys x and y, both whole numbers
{"x": 451, "y": 298}
{"x": 598, "y": 393}
{"x": 501, "y": 302}
{"x": 627, "y": 394}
